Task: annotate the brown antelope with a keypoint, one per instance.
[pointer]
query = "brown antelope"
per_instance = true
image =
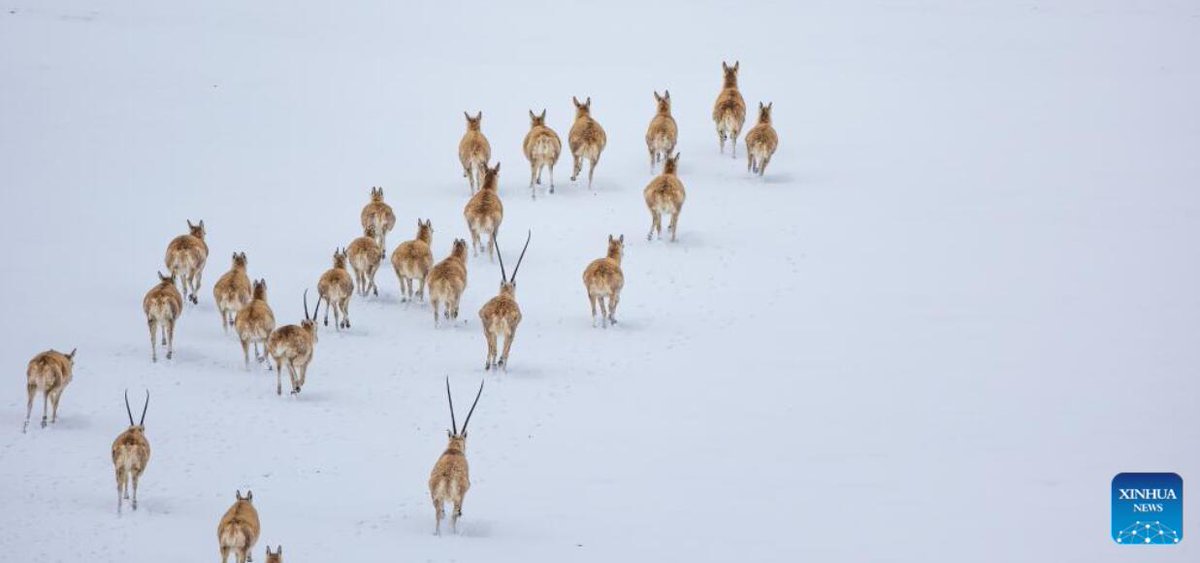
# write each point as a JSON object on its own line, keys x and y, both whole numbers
{"x": 254, "y": 323}
{"x": 293, "y": 346}
{"x": 379, "y": 215}
{"x": 474, "y": 152}
{"x": 450, "y": 478}
{"x": 232, "y": 291}
{"x": 761, "y": 141}
{"x": 447, "y": 280}
{"x": 484, "y": 211}
{"x": 336, "y": 287}
{"x": 130, "y": 454}
{"x": 412, "y": 261}
{"x": 238, "y": 530}
{"x": 365, "y": 255}
{"x": 662, "y": 133}
{"x": 587, "y": 139}
{"x": 49, "y": 373}
{"x": 162, "y": 306}
{"x": 542, "y": 148}
{"x": 664, "y": 196}
{"x": 604, "y": 279}
{"x": 729, "y": 112}
{"x": 501, "y": 315}
{"x": 276, "y": 557}
{"x": 185, "y": 259}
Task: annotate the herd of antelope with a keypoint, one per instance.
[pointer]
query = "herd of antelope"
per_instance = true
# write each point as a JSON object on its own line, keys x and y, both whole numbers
{"x": 243, "y": 305}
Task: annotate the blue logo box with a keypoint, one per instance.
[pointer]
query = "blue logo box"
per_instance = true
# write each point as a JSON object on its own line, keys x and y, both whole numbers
{"x": 1147, "y": 509}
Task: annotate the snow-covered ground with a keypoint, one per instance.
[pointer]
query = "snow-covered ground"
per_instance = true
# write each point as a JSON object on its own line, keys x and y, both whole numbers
{"x": 963, "y": 298}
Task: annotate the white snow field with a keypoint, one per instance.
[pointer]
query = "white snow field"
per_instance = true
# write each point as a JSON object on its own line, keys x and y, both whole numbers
{"x": 961, "y": 300}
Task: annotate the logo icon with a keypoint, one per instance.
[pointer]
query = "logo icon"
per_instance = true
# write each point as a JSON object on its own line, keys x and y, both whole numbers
{"x": 1147, "y": 508}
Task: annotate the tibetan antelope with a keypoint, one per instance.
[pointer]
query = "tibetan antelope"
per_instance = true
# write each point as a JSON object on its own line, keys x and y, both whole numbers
{"x": 254, "y": 323}
{"x": 130, "y": 454}
{"x": 185, "y": 259}
{"x": 48, "y": 373}
{"x": 379, "y": 215}
{"x": 447, "y": 280}
{"x": 276, "y": 557}
{"x": 162, "y": 306}
{"x": 412, "y": 261}
{"x": 662, "y": 133}
{"x": 238, "y": 530}
{"x": 604, "y": 279}
{"x": 501, "y": 315}
{"x": 729, "y": 112}
{"x": 484, "y": 211}
{"x": 474, "y": 152}
{"x": 542, "y": 147}
{"x": 365, "y": 256}
{"x": 664, "y": 196}
{"x": 761, "y": 141}
{"x": 450, "y": 478}
{"x": 336, "y": 287}
{"x": 293, "y": 346}
{"x": 232, "y": 291}
{"x": 587, "y": 139}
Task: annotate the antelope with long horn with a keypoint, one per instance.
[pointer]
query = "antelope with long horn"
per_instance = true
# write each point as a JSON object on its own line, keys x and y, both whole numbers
{"x": 336, "y": 287}
{"x": 379, "y": 215}
{"x": 238, "y": 530}
{"x": 130, "y": 454}
{"x": 474, "y": 152}
{"x": 450, "y": 478}
{"x": 587, "y": 139}
{"x": 254, "y": 323}
{"x": 447, "y": 280}
{"x": 604, "y": 279}
{"x": 365, "y": 256}
{"x": 484, "y": 211}
{"x": 542, "y": 147}
{"x": 48, "y": 373}
{"x": 186, "y": 255}
{"x": 232, "y": 291}
{"x": 662, "y": 133}
{"x": 412, "y": 261}
{"x": 293, "y": 346}
{"x": 761, "y": 141}
{"x": 665, "y": 196}
{"x": 501, "y": 314}
{"x": 162, "y": 305}
{"x": 729, "y": 111}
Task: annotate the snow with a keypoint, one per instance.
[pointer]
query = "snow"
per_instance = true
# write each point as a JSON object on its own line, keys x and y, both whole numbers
{"x": 962, "y": 299}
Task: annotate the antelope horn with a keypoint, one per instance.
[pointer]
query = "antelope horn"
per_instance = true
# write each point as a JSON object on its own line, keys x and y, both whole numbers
{"x": 500, "y": 255}
{"x": 522, "y": 257}
{"x": 306, "y": 305}
{"x": 144, "y": 407}
{"x": 453, "y": 423}
{"x": 468, "y": 420}
{"x": 127, "y": 409}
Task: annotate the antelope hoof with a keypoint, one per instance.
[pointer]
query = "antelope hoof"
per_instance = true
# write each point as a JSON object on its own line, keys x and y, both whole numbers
{"x": 169, "y": 354}
{"x": 134, "y": 504}
{"x": 326, "y": 322}
{"x": 44, "y": 423}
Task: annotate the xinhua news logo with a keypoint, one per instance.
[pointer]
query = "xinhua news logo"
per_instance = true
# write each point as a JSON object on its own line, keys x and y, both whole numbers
{"x": 1147, "y": 509}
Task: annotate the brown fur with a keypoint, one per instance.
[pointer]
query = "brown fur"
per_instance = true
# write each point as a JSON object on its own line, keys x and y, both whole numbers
{"x": 185, "y": 260}
{"x": 276, "y": 557}
{"x": 542, "y": 148}
{"x": 665, "y": 195}
{"x": 474, "y": 152}
{"x": 48, "y": 373}
{"x": 447, "y": 280}
{"x": 293, "y": 346}
{"x": 500, "y": 317}
{"x": 450, "y": 480}
{"x": 484, "y": 212}
{"x": 761, "y": 141}
{"x": 412, "y": 261}
{"x": 604, "y": 279}
{"x": 238, "y": 531}
{"x": 130, "y": 455}
{"x": 336, "y": 287}
{"x": 365, "y": 255}
{"x": 232, "y": 291}
{"x": 254, "y": 323}
{"x": 162, "y": 305}
{"x": 662, "y": 134}
{"x": 379, "y": 215}
{"x": 587, "y": 139}
{"x": 729, "y": 111}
